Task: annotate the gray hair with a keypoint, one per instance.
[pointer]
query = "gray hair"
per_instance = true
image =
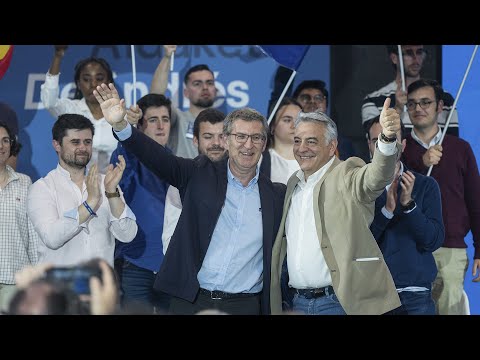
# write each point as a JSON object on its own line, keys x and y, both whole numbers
{"x": 319, "y": 117}
{"x": 245, "y": 114}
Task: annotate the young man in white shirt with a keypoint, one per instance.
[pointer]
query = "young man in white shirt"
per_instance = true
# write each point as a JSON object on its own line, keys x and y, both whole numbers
{"x": 79, "y": 215}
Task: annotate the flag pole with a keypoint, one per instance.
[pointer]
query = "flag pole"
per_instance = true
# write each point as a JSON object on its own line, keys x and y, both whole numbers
{"x": 402, "y": 72}
{"x": 134, "y": 73}
{"x": 281, "y": 96}
{"x": 455, "y": 102}
{"x": 172, "y": 59}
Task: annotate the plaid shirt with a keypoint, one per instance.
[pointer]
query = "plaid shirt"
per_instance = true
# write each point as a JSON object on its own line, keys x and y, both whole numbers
{"x": 18, "y": 239}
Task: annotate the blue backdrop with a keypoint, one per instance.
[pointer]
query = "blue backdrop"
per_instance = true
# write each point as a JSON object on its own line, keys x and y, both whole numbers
{"x": 243, "y": 74}
{"x": 455, "y": 62}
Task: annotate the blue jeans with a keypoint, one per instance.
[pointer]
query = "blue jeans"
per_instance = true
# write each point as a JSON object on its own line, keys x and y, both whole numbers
{"x": 136, "y": 287}
{"x": 417, "y": 302}
{"x": 324, "y": 305}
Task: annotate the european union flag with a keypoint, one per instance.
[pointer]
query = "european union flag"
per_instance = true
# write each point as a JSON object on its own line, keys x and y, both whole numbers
{"x": 290, "y": 56}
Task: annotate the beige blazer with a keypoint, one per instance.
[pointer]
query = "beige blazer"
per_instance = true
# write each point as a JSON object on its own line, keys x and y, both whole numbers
{"x": 343, "y": 213}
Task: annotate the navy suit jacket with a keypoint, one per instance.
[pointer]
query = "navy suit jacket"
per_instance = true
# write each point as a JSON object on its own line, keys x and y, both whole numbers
{"x": 203, "y": 187}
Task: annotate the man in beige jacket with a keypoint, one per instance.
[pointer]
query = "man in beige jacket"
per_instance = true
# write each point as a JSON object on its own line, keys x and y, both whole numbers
{"x": 334, "y": 264}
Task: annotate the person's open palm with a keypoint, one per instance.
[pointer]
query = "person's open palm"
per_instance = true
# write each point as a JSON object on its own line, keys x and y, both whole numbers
{"x": 113, "y": 108}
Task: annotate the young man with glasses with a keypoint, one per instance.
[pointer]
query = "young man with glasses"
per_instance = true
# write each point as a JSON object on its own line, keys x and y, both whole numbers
{"x": 414, "y": 57}
{"x": 220, "y": 253}
{"x": 455, "y": 169}
{"x": 313, "y": 96}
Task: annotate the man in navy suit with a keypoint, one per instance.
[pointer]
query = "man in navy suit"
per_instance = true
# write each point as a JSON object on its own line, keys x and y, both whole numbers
{"x": 220, "y": 253}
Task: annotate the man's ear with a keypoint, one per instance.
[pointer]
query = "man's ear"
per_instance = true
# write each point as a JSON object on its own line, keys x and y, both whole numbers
{"x": 195, "y": 141}
{"x": 440, "y": 106}
{"x": 333, "y": 147}
{"x": 394, "y": 58}
{"x": 56, "y": 145}
{"x": 404, "y": 144}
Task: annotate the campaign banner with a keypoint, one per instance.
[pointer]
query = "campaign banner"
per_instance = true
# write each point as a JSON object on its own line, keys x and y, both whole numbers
{"x": 243, "y": 76}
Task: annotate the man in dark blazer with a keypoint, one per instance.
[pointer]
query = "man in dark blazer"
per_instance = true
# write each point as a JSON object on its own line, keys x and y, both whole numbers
{"x": 220, "y": 253}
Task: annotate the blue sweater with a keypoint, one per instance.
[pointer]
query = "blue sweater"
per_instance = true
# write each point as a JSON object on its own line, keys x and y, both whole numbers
{"x": 145, "y": 194}
{"x": 408, "y": 240}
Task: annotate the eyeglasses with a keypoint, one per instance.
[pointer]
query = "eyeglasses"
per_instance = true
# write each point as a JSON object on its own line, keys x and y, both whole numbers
{"x": 424, "y": 104}
{"x": 6, "y": 141}
{"x": 306, "y": 98}
{"x": 420, "y": 53}
{"x": 243, "y": 138}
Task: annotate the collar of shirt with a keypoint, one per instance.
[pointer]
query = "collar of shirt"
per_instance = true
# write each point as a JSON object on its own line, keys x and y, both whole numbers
{"x": 315, "y": 177}
{"x": 65, "y": 172}
{"x": 400, "y": 173}
{"x": 435, "y": 140}
{"x": 12, "y": 175}
{"x": 232, "y": 179}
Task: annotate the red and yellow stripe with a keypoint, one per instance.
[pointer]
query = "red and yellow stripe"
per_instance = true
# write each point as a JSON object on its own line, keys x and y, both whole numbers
{"x": 6, "y": 52}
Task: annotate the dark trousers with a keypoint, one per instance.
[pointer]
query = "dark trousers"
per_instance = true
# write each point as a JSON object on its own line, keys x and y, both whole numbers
{"x": 236, "y": 306}
{"x": 136, "y": 288}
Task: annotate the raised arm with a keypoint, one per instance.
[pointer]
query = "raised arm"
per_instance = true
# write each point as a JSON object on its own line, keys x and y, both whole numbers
{"x": 57, "y": 59}
{"x": 160, "y": 77}
{"x": 370, "y": 180}
{"x": 49, "y": 90}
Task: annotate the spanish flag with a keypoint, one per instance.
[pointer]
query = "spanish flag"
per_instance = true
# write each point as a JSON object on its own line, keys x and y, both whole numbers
{"x": 5, "y": 57}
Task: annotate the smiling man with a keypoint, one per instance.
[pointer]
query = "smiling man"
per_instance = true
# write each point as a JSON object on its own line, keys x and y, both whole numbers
{"x": 220, "y": 253}
{"x": 334, "y": 264}
{"x": 137, "y": 262}
{"x": 77, "y": 215}
{"x": 208, "y": 137}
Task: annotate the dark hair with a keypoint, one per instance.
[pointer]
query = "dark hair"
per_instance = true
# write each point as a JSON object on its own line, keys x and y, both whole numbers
{"x": 15, "y": 146}
{"x": 376, "y": 119}
{"x": 420, "y": 83}
{"x": 393, "y": 49}
{"x": 312, "y": 84}
{"x": 81, "y": 65}
{"x": 9, "y": 116}
{"x": 70, "y": 121}
{"x": 53, "y": 298}
{"x": 196, "y": 68}
{"x": 285, "y": 101}
{"x": 211, "y": 115}
{"x": 153, "y": 100}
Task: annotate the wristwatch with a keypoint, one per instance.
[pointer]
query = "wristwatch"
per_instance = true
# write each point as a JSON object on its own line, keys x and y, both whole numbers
{"x": 386, "y": 139}
{"x": 112, "y": 194}
{"x": 410, "y": 206}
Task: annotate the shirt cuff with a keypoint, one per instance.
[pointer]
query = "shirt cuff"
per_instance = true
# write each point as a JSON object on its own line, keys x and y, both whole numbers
{"x": 51, "y": 81}
{"x": 387, "y": 149}
{"x": 127, "y": 213}
{"x": 387, "y": 213}
{"x": 125, "y": 133}
{"x": 72, "y": 214}
{"x": 409, "y": 211}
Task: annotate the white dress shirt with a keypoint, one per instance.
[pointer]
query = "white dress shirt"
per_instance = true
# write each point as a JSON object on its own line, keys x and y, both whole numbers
{"x": 104, "y": 143}
{"x": 53, "y": 203}
{"x": 281, "y": 168}
{"x": 173, "y": 209}
{"x": 306, "y": 264}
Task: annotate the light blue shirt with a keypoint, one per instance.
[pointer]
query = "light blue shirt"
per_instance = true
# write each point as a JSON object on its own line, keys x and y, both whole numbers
{"x": 234, "y": 259}
{"x": 125, "y": 133}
